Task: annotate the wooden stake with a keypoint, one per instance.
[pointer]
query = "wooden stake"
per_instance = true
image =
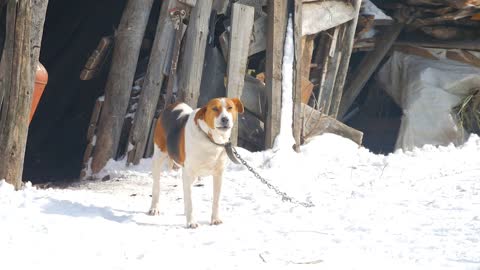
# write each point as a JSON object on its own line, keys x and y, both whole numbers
{"x": 241, "y": 25}
{"x": 277, "y": 26}
{"x": 16, "y": 85}
{"x": 128, "y": 40}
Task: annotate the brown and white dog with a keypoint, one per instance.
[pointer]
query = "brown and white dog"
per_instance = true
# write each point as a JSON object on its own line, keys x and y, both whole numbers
{"x": 193, "y": 139}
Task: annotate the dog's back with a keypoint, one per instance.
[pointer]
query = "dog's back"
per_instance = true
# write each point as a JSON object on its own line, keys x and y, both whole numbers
{"x": 170, "y": 131}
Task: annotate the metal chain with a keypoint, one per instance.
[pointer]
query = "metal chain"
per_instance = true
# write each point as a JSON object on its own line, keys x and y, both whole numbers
{"x": 284, "y": 196}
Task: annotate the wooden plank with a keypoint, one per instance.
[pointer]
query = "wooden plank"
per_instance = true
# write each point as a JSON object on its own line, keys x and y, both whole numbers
{"x": 297, "y": 74}
{"x": 346, "y": 52}
{"x": 257, "y": 5}
{"x": 323, "y": 15}
{"x": 16, "y": 83}
{"x": 191, "y": 67}
{"x": 316, "y": 124}
{"x": 259, "y": 36}
{"x": 190, "y": 3}
{"x": 473, "y": 45}
{"x": 366, "y": 68}
{"x": 277, "y": 25}
{"x": 307, "y": 51}
{"x": 120, "y": 79}
{"x": 241, "y": 31}
{"x": 213, "y": 77}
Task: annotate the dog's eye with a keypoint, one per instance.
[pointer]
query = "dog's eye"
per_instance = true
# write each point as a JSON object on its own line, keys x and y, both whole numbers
{"x": 229, "y": 108}
{"x": 215, "y": 109}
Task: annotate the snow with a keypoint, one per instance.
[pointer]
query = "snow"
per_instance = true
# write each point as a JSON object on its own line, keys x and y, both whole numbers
{"x": 407, "y": 210}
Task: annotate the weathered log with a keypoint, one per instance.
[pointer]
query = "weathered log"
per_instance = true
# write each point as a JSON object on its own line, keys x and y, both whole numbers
{"x": 307, "y": 52}
{"x": 241, "y": 31}
{"x": 323, "y": 15}
{"x": 97, "y": 59}
{"x": 297, "y": 74}
{"x": 277, "y": 25}
{"x": 366, "y": 68}
{"x": 16, "y": 84}
{"x": 191, "y": 66}
{"x": 346, "y": 52}
{"x": 91, "y": 139}
{"x": 128, "y": 40}
{"x": 316, "y": 123}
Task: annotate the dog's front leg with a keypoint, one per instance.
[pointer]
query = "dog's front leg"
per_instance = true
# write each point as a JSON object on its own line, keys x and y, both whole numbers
{"x": 188, "y": 179}
{"x": 217, "y": 188}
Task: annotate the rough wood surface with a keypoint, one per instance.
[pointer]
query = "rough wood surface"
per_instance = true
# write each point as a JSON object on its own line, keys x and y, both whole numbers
{"x": 316, "y": 124}
{"x": 241, "y": 31}
{"x": 191, "y": 67}
{"x": 128, "y": 40}
{"x": 346, "y": 52}
{"x": 322, "y": 15}
{"x": 277, "y": 25}
{"x": 16, "y": 83}
{"x": 308, "y": 43}
{"x": 366, "y": 68}
{"x": 297, "y": 74}
{"x": 253, "y": 96}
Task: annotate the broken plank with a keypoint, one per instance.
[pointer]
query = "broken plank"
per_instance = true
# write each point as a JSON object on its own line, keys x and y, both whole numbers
{"x": 297, "y": 74}
{"x": 316, "y": 123}
{"x": 241, "y": 30}
{"x": 367, "y": 66}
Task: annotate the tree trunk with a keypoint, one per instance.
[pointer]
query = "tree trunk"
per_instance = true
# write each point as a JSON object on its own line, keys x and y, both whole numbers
{"x": 128, "y": 40}
{"x": 16, "y": 85}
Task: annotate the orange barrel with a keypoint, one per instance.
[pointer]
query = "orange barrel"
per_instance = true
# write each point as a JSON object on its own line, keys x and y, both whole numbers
{"x": 41, "y": 79}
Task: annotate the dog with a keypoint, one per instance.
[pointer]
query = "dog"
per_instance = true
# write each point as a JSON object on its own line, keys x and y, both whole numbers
{"x": 194, "y": 140}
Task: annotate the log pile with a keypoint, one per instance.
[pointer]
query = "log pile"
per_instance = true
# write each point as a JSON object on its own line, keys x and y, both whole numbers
{"x": 230, "y": 48}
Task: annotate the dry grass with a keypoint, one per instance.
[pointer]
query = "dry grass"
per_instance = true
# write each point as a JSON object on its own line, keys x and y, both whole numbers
{"x": 468, "y": 112}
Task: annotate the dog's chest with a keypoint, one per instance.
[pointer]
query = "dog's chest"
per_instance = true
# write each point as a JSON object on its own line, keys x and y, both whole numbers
{"x": 206, "y": 160}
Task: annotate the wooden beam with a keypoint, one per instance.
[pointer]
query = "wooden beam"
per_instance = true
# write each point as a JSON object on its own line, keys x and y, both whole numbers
{"x": 346, "y": 52}
{"x": 191, "y": 67}
{"x": 152, "y": 84}
{"x": 316, "y": 124}
{"x": 128, "y": 40}
{"x": 366, "y": 68}
{"x": 297, "y": 74}
{"x": 241, "y": 31}
{"x": 322, "y": 15}
{"x": 277, "y": 26}
{"x": 16, "y": 83}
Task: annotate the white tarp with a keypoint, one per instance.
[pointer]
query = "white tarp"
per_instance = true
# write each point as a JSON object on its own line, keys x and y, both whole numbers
{"x": 427, "y": 90}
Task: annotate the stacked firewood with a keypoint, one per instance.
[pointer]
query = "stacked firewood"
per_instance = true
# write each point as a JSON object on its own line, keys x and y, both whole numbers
{"x": 444, "y": 20}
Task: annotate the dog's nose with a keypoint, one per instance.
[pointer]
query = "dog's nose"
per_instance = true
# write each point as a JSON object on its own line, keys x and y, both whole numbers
{"x": 224, "y": 120}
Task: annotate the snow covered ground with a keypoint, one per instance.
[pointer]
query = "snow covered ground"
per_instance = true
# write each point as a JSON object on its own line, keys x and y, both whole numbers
{"x": 415, "y": 210}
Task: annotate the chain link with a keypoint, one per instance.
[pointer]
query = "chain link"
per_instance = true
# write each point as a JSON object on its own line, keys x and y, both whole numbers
{"x": 284, "y": 196}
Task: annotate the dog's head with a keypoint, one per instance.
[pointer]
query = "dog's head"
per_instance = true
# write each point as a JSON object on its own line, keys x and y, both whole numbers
{"x": 218, "y": 116}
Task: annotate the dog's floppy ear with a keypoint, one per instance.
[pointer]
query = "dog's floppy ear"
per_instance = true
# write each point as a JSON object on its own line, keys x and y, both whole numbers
{"x": 238, "y": 104}
{"x": 200, "y": 115}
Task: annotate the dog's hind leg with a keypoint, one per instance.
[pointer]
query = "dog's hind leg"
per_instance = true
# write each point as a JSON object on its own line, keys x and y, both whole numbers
{"x": 159, "y": 159}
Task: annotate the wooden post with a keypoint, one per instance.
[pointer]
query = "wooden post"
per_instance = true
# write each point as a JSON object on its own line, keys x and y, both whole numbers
{"x": 368, "y": 65}
{"x": 128, "y": 40}
{"x": 241, "y": 25}
{"x": 152, "y": 84}
{"x": 277, "y": 26}
{"x": 346, "y": 52}
{"x": 190, "y": 70}
{"x": 16, "y": 84}
{"x": 297, "y": 74}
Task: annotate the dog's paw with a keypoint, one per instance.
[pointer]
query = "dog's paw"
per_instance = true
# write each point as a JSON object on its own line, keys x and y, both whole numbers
{"x": 216, "y": 221}
{"x": 154, "y": 212}
{"x": 192, "y": 225}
